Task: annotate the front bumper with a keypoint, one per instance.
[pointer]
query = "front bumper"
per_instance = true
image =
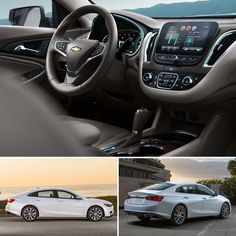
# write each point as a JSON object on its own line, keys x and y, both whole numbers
{"x": 108, "y": 212}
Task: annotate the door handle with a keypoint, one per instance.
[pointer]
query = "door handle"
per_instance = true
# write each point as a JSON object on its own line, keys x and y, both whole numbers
{"x": 186, "y": 197}
{"x": 60, "y": 201}
{"x": 204, "y": 198}
{"x": 37, "y": 200}
{"x": 23, "y": 48}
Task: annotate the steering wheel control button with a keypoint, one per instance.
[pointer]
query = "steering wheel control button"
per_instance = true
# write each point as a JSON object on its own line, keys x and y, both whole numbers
{"x": 147, "y": 77}
{"x": 98, "y": 50}
{"x": 167, "y": 80}
{"x": 62, "y": 46}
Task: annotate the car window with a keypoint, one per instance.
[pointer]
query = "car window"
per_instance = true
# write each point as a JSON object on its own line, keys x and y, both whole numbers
{"x": 161, "y": 186}
{"x": 43, "y": 194}
{"x": 191, "y": 189}
{"x": 203, "y": 190}
{"x": 65, "y": 195}
{"x": 8, "y": 5}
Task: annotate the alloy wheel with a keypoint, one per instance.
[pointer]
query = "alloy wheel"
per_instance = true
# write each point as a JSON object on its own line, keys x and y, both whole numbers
{"x": 179, "y": 215}
{"x": 95, "y": 213}
{"x": 30, "y": 213}
{"x": 225, "y": 211}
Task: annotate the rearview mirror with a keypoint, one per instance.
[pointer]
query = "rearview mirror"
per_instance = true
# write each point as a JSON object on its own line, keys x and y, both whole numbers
{"x": 27, "y": 16}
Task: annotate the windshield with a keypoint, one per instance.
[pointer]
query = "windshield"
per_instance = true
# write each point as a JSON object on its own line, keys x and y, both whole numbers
{"x": 173, "y": 8}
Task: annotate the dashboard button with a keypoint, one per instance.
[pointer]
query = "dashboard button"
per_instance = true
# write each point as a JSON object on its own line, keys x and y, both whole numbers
{"x": 147, "y": 77}
{"x": 187, "y": 81}
{"x": 174, "y": 58}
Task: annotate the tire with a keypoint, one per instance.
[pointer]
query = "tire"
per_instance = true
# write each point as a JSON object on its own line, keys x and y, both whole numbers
{"x": 144, "y": 219}
{"x": 225, "y": 211}
{"x": 30, "y": 213}
{"x": 95, "y": 213}
{"x": 179, "y": 215}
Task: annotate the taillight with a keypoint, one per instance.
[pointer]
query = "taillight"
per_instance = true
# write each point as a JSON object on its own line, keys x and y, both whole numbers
{"x": 154, "y": 198}
{"x": 10, "y": 200}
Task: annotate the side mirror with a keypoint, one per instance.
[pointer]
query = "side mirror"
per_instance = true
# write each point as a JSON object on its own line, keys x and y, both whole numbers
{"x": 27, "y": 16}
{"x": 214, "y": 194}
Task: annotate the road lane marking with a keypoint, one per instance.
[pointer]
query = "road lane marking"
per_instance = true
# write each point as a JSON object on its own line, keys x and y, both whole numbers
{"x": 206, "y": 228}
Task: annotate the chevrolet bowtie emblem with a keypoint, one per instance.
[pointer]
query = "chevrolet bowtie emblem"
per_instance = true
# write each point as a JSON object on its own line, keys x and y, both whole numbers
{"x": 75, "y": 49}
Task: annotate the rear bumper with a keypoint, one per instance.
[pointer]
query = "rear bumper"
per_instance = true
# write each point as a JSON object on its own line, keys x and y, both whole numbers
{"x": 145, "y": 214}
{"x": 11, "y": 210}
{"x": 141, "y": 210}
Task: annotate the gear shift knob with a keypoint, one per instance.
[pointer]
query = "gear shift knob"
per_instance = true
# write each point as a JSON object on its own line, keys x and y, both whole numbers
{"x": 140, "y": 119}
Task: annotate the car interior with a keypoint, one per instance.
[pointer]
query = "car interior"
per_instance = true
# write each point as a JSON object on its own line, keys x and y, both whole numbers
{"x": 88, "y": 81}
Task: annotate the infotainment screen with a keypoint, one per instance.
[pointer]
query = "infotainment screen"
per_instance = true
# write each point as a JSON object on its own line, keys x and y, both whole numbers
{"x": 186, "y": 37}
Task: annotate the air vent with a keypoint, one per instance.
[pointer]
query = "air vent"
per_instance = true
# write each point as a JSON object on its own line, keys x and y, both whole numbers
{"x": 224, "y": 42}
{"x": 150, "y": 46}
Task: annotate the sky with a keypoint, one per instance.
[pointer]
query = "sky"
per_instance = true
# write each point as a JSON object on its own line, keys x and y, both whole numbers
{"x": 127, "y": 4}
{"x": 110, "y": 4}
{"x": 37, "y": 172}
{"x": 192, "y": 170}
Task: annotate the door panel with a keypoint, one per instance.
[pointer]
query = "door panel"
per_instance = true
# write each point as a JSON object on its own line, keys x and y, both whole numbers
{"x": 71, "y": 208}
{"x": 211, "y": 205}
{"x": 47, "y": 206}
{"x": 194, "y": 204}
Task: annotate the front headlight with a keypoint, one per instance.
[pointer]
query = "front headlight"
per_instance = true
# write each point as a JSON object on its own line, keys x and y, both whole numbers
{"x": 107, "y": 204}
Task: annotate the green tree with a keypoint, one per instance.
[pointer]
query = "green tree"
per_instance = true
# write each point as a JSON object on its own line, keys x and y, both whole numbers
{"x": 209, "y": 182}
{"x": 232, "y": 167}
{"x": 229, "y": 188}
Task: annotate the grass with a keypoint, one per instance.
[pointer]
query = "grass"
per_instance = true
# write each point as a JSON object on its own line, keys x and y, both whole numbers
{"x": 2, "y": 207}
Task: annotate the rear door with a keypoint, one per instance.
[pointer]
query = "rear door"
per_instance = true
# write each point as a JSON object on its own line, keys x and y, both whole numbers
{"x": 45, "y": 202}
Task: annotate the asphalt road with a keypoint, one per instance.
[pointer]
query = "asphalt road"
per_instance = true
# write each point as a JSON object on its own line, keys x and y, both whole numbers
{"x": 130, "y": 226}
{"x": 15, "y": 226}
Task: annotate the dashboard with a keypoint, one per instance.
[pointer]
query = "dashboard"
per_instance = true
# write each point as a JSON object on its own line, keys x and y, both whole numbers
{"x": 130, "y": 34}
{"x": 179, "y": 44}
{"x": 174, "y": 56}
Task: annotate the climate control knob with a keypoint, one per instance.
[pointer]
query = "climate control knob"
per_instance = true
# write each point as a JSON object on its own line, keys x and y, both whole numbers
{"x": 147, "y": 77}
{"x": 174, "y": 58}
{"x": 187, "y": 81}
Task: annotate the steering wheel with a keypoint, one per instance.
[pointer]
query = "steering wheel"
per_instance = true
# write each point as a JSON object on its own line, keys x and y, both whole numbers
{"x": 87, "y": 61}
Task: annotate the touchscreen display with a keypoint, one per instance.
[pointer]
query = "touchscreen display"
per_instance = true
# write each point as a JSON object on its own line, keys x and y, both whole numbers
{"x": 186, "y": 38}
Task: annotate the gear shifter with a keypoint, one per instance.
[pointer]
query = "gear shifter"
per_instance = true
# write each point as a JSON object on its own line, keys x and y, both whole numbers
{"x": 140, "y": 120}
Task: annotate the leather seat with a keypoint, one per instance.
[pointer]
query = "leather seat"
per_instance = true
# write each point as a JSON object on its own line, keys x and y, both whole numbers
{"x": 95, "y": 133}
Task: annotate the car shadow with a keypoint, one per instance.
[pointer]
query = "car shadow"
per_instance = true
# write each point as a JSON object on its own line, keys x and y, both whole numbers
{"x": 166, "y": 224}
{"x": 17, "y": 219}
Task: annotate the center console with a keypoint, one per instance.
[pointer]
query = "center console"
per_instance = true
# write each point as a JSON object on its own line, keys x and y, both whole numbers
{"x": 179, "y": 44}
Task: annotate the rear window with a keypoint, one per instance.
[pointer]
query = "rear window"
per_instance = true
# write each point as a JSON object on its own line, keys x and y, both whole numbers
{"x": 161, "y": 186}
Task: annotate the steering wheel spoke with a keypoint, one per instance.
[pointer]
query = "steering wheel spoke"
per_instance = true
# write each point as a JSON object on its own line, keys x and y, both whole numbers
{"x": 98, "y": 51}
{"x": 61, "y": 47}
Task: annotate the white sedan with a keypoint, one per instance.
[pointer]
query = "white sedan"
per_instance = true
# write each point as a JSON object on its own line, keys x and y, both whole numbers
{"x": 57, "y": 203}
{"x": 176, "y": 202}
